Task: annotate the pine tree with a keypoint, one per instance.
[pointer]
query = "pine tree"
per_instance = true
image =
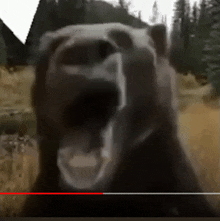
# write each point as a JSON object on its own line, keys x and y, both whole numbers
{"x": 191, "y": 35}
{"x": 180, "y": 37}
{"x": 139, "y": 19}
{"x": 201, "y": 32}
{"x": 155, "y": 17}
{"x": 124, "y": 5}
{"x": 182, "y": 16}
{"x": 212, "y": 48}
{"x": 195, "y": 13}
{"x": 123, "y": 12}
{"x": 204, "y": 20}
{"x": 164, "y": 20}
{"x": 186, "y": 27}
{"x": 180, "y": 12}
{"x": 194, "y": 19}
{"x": 176, "y": 48}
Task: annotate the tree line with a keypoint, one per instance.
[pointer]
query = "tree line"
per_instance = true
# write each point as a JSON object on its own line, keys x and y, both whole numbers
{"x": 54, "y": 14}
{"x": 195, "y": 39}
{"x": 195, "y": 35}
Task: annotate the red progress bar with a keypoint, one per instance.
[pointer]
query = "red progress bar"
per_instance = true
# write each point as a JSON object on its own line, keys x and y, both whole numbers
{"x": 51, "y": 193}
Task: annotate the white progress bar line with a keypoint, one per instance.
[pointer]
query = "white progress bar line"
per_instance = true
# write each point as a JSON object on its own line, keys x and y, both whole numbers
{"x": 161, "y": 193}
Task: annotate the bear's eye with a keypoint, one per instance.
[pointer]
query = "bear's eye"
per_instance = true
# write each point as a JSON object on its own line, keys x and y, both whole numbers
{"x": 87, "y": 53}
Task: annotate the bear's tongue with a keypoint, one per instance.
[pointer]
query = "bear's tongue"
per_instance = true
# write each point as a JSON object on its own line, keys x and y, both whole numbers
{"x": 80, "y": 165}
{"x": 83, "y": 169}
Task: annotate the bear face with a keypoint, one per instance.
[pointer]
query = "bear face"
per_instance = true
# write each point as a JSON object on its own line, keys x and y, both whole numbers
{"x": 85, "y": 86}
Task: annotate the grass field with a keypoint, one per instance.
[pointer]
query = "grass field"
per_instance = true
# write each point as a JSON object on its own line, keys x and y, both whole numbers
{"x": 198, "y": 120}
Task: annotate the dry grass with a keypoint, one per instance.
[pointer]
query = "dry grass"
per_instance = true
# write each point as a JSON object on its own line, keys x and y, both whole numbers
{"x": 15, "y": 88}
{"x": 17, "y": 175}
{"x": 190, "y": 93}
{"x": 199, "y": 126}
{"x": 187, "y": 82}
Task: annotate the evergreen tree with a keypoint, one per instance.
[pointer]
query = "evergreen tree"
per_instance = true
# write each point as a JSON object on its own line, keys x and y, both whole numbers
{"x": 176, "y": 55}
{"x": 124, "y": 5}
{"x": 139, "y": 15}
{"x": 180, "y": 37}
{"x": 191, "y": 35}
{"x": 179, "y": 13}
{"x": 155, "y": 17}
{"x": 212, "y": 48}
{"x": 186, "y": 27}
{"x": 123, "y": 12}
{"x": 139, "y": 19}
{"x": 195, "y": 13}
{"x": 200, "y": 33}
{"x": 204, "y": 20}
{"x": 164, "y": 19}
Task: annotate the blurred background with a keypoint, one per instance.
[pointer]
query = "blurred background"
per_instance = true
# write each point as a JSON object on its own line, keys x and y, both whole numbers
{"x": 194, "y": 30}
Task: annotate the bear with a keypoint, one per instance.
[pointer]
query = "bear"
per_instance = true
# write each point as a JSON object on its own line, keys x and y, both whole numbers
{"x": 106, "y": 107}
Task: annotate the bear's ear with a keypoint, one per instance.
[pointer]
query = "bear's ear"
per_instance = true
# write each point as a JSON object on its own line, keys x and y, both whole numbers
{"x": 46, "y": 40}
{"x": 49, "y": 43}
{"x": 47, "y": 46}
{"x": 159, "y": 35}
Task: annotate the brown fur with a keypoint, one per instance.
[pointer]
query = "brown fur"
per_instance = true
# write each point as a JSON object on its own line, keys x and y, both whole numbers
{"x": 132, "y": 93}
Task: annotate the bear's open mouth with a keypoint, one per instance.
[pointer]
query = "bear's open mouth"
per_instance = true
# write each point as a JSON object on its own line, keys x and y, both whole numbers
{"x": 85, "y": 148}
{"x": 82, "y": 169}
